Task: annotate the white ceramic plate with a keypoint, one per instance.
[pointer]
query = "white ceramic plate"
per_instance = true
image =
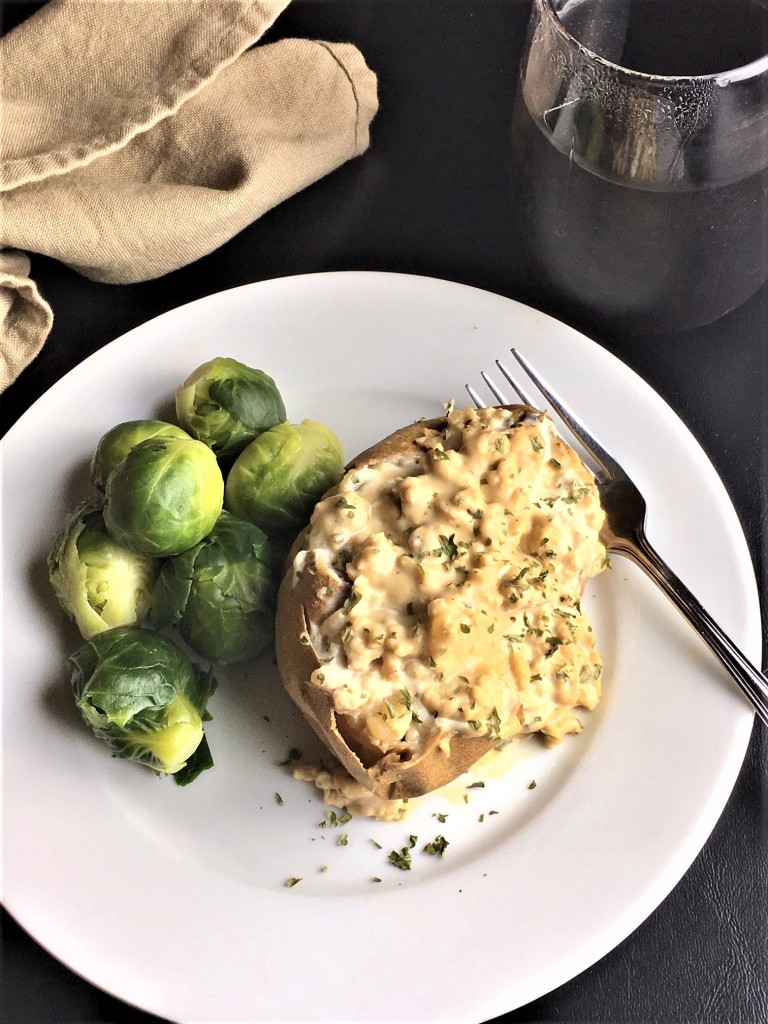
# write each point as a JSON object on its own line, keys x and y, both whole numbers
{"x": 174, "y": 899}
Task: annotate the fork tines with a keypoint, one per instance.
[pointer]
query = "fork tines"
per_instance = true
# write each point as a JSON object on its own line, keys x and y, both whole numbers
{"x": 568, "y": 417}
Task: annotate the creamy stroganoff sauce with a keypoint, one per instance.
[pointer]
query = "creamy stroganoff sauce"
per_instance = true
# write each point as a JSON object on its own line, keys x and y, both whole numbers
{"x": 464, "y": 565}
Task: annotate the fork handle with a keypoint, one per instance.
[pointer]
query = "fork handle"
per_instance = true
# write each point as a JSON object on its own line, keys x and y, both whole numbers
{"x": 750, "y": 680}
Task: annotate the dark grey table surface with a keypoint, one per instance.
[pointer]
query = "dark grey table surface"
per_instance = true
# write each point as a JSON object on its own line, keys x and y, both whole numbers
{"x": 435, "y": 195}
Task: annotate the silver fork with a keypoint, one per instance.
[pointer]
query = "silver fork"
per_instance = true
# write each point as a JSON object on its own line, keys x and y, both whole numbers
{"x": 624, "y": 534}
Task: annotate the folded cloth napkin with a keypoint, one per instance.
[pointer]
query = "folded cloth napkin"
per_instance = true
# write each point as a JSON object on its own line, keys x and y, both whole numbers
{"x": 139, "y": 135}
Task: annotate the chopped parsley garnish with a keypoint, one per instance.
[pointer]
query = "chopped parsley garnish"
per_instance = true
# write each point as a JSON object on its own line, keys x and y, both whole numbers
{"x": 577, "y": 495}
{"x": 448, "y": 547}
{"x": 401, "y": 859}
{"x": 408, "y": 702}
{"x": 437, "y": 847}
{"x": 333, "y": 820}
{"x": 353, "y": 599}
{"x": 553, "y": 642}
{"x": 494, "y": 725}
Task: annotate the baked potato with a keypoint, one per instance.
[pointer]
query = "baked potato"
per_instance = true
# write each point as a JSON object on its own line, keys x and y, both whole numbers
{"x": 430, "y": 611}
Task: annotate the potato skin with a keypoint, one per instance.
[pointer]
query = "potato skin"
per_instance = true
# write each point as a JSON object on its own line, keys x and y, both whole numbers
{"x": 307, "y": 600}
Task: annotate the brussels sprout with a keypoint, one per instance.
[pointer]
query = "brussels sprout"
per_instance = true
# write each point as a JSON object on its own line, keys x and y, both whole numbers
{"x": 117, "y": 442}
{"x": 227, "y": 404}
{"x": 277, "y": 480}
{"x": 164, "y": 496}
{"x": 99, "y": 582}
{"x": 141, "y": 694}
{"x": 221, "y": 593}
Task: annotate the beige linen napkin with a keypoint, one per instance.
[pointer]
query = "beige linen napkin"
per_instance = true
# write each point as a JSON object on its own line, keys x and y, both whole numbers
{"x": 138, "y": 135}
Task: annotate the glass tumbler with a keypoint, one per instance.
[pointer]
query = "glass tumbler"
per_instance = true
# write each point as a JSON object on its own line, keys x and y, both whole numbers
{"x": 641, "y": 148}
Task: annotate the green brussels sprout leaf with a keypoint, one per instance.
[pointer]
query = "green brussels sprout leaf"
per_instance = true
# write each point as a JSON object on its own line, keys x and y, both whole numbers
{"x": 197, "y": 762}
{"x": 99, "y": 582}
{"x": 164, "y": 496}
{"x": 221, "y": 593}
{"x": 117, "y": 442}
{"x": 279, "y": 478}
{"x": 226, "y": 405}
{"x": 140, "y": 693}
